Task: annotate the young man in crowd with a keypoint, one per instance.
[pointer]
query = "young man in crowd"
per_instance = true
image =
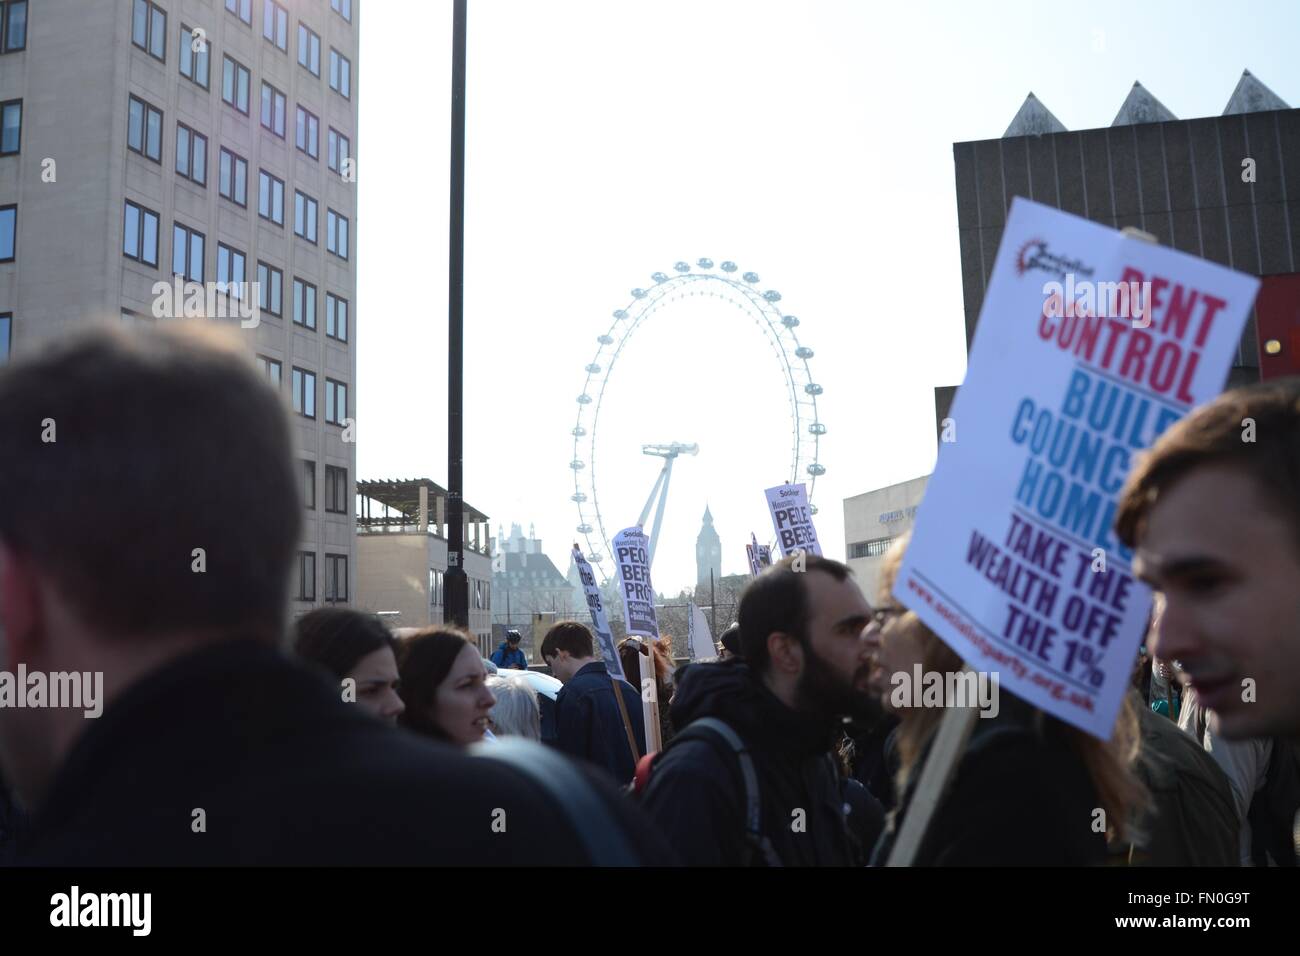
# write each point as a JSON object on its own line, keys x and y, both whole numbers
{"x": 1213, "y": 513}
{"x": 149, "y": 518}
{"x": 803, "y": 667}
{"x": 588, "y": 720}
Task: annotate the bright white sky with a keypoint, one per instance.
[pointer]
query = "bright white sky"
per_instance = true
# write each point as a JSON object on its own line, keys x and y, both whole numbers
{"x": 810, "y": 142}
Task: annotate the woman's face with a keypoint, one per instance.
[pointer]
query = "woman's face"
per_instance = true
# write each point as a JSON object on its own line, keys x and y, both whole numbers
{"x": 895, "y": 637}
{"x": 376, "y": 682}
{"x": 462, "y": 702}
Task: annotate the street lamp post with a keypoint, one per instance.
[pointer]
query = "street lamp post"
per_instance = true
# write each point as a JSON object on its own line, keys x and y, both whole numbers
{"x": 457, "y": 581}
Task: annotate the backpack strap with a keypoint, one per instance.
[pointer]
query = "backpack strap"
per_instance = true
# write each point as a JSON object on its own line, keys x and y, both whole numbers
{"x": 589, "y": 816}
{"x": 754, "y": 836}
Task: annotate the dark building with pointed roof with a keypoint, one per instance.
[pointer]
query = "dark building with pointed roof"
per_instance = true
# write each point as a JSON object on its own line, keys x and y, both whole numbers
{"x": 1225, "y": 188}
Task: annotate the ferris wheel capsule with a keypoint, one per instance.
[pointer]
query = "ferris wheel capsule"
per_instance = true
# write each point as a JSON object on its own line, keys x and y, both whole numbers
{"x": 704, "y": 263}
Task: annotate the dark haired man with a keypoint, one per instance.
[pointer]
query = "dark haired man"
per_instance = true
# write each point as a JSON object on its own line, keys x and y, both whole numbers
{"x": 1213, "y": 513}
{"x": 803, "y": 667}
{"x": 589, "y": 723}
{"x": 149, "y": 515}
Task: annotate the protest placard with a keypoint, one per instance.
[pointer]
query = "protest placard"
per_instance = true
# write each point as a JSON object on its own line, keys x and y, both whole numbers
{"x": 632, "y": 553}
{"x": 792, "y": 519}
{"x": 599, "y": 618}
{"x": 1089, "y": 345}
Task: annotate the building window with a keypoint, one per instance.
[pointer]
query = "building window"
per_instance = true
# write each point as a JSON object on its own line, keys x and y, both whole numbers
{"x": 308, "y": 133}
{"x": 340, "y": 149}
{"x": 304, "y": 393}
{"x": 304, "y": 304}
{"x": 234, "y": 177}
{"x": 336, "y": 402}
{"x": 187, "y": 253}
{"x": 230, "y": 270}
{"x": 309, "y": 485}
{"x": 144, "y": 129}
{"x": 11, "y": 127}
{"x": 273, "y": 107}
{"x": 271, "y": 369}
{"x": 435, "y": 587}
{"x": 306, "y": 576}
{"x": 336, "y": 317}
{"x": 234, "y": 84}
{"x": 340, "y": 74}
{"x": 6, "y": 333}
{"x": 270, "y": 289}
{"x": 194, "y": 56}
{"x": 336, "y": 577}
{"x": 149, "y": 29}
{"x": 139, "y": 235}
{"x": 343, "y": 8}
{"x": 270, "y": 197}
{"x": 336, "y": 233}
{"x": 309, "y": 50}
{"x": 191, "y": 155}
{"x": 870, "y": 549}
{"x": 478, "y": 595}
{"x": 336, "y": 490}
{"x": 242, "y": 9}
{"x": 304, "y": 216}
{"x": 13, "y": 23}
{"x": 275, "y": 24}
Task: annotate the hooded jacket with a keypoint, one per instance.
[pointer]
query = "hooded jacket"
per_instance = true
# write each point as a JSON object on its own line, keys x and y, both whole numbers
{"x": 697, "y": 796}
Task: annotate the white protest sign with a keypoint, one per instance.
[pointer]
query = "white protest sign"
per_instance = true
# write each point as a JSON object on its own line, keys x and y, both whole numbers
{"x": 792, "y": 519}
{"x": 764, "y": 556}
{"x": 632, "y": 553}
{"x": 599, "y": 619}
{"x": 698, "y": 639}
{"x": 1013, "y": 560}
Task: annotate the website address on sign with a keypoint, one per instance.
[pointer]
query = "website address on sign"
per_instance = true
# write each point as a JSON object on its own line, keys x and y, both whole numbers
{"x": 1010, "y": 662}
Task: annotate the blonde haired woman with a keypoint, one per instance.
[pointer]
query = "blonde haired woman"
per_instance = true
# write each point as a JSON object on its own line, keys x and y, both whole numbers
{"x": 1028, "y": 790}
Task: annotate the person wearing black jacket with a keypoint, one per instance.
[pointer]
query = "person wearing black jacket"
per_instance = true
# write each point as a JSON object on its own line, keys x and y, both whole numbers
{"x": 588, "y": 720}
{"x": 804, "y": 667}
{"x": 207, "y": 745}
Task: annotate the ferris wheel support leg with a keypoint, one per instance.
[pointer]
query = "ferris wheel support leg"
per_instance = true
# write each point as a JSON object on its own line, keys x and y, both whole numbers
{"x": 645, "y": 512}
{"x": 659, "y": 512}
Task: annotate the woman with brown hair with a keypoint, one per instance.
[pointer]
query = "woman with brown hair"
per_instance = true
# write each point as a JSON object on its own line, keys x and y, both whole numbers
{"x": 1028, "y": 790}
{"x": 443, "y": 684}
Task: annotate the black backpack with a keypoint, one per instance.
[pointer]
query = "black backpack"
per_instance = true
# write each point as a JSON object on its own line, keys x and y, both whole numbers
{"x": 720, "y": 735}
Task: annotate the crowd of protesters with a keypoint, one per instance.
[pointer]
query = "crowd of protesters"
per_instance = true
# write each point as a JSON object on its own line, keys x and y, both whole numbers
{"x": 232, "y": 735}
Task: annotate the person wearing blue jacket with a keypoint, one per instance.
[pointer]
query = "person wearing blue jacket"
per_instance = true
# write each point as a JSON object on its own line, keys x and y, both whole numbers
{"x": 508, "y": 655}
{"x": 588, "y": 720}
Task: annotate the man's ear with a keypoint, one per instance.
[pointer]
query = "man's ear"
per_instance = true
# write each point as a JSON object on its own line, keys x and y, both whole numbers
{"x": 21, "y": 609}
{"x": 785, "y": 652}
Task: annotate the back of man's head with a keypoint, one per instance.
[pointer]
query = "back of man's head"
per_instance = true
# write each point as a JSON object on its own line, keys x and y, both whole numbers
{"x": 777, "y": 600}
{"x": 147, "y": 477}
{"x": 569, "y": 636}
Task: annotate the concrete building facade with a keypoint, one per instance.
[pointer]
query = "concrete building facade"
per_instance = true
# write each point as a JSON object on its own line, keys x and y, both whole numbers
{"x": 873, "y": 521}
{"x": 402, "y": 556}
{"x": 1225, "y": 188}
{"x": 206, "y": 146}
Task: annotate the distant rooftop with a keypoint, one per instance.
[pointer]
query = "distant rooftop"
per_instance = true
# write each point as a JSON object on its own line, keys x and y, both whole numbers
{"x": 400, "y": 501}
{"x": 1140, "y": 106}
